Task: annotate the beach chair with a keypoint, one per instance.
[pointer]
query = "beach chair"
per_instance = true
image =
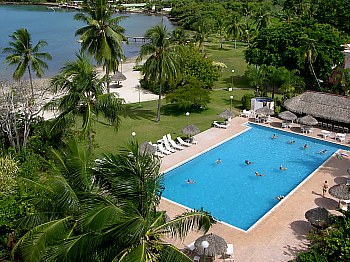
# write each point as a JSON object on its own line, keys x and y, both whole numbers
{"x": 194, "y": 140}
{"x": 173, "y": 144}
{"x": 340, "y": 137}
{"x": 216, "y": 124}
{"x": 229, "y": 251}
{"x": 163, "y": 150}
{"x": 158, "y": 154}
{"x": 191, "y": 247}
{"x": 183, "y": 143}
{"x": 167, "y": 145}
{"x": 325, "y": 133}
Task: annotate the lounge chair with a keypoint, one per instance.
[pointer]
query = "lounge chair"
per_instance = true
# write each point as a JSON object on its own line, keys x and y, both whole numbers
{"x": 196, "y": 259}
{"x": 158, "y": 154}
{"x": 191, "y": 247}
{"x": 167, "y": 145}
{"x": 163, "y": 150}
{"x": 183, "y": 143}
{"x": 340, "y": 137}
{"x": 229, "y": 251}
{"x": 325, "y": 133}
{"x": 194, "y": 140}
{"x": 216, "y": 124}
{"x": 173, "y": 144}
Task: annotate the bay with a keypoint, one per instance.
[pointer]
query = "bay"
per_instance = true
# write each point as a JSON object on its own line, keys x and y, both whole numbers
{"x": 58, "y": 28}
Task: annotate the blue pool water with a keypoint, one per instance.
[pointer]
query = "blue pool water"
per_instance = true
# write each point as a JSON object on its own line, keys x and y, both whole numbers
{"x": 230, "y": 190}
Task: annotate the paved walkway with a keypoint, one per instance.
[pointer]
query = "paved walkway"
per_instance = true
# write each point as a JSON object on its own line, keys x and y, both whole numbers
{"x": 281, "y": 235}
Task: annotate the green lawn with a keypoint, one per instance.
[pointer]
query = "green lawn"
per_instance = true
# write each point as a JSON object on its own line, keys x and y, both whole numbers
{"x": 141, "y": 120}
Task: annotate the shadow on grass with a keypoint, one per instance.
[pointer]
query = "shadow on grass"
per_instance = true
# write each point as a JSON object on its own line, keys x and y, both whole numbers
{"x": 135, "y": 112}
{"x": 217, "y": 47}
{"x": 174, "y": 110}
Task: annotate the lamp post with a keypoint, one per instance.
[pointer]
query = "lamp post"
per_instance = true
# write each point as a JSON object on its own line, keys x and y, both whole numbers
{"x": 231, "y": 98}
{"x": 188, "y": 117}
{"x": 121, "y": 65}
{"x": 205, "y": 245}
{"x": 232, "y": 78}
{"x": 133, "y": 134}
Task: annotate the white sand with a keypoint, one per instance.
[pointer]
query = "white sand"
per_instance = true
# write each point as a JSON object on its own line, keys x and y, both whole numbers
{"x": 130, "y": 88}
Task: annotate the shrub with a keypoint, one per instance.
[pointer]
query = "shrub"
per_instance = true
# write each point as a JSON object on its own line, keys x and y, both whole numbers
{"x": 246, "y": 100}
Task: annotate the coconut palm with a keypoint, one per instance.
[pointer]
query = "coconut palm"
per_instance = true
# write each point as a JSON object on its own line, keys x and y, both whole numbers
{"x": 83, "y": 95}
{"x": 262, "y": 18}
{"x": 256, "y": 76}
{"x": 26, "y": 56}
{"x": 120, "y": 223}
{"x": 309, "y": 53}
{"x": 162, "y": 63}
{"x": 203, "y": 28}
{"x": 102, "y": 36}
{"x": 233, "y": 27}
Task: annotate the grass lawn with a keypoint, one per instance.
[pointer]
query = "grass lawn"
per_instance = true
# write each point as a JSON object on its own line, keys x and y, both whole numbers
{"x": 141, "y": 120}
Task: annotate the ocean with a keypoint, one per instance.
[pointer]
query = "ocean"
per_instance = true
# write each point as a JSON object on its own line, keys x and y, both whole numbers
{"x": 57, "y": 27}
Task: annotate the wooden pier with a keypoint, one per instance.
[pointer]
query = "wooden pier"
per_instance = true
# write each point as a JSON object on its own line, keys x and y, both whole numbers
{"x": 136, "y": 38}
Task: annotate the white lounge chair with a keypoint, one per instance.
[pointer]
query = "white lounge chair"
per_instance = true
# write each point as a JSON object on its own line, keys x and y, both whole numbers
{"x": 325, "y": 133}
{"x": 194, "y": 140}
{"x": 173, "y": 144}
{"x": 216, "y": 124}
{"x": 158, "y": 154}
{"x": 183, "y": 143}
{"x": 167, "y": 145}
{"x": 191, "y": 247}
{"x": 229, "y": 251}
{"x": 163, "y": 150}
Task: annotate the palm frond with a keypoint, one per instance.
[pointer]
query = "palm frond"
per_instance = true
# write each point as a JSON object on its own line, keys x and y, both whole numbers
{"x": 170, "y": 253}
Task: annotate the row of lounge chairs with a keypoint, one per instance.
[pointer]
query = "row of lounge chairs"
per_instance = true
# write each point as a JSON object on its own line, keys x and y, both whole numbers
{"x": 167, "y": 145}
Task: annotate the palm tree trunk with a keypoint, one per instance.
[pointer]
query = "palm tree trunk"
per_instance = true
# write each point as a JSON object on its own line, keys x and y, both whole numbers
{"x": 159, "y": 102}
{"x": 31, "y": 82}
{"x": 235, "y": 44}
{"x": 107, "y": 78}
{"x": 90, "y": 141}
{"x": 313, "y": 72}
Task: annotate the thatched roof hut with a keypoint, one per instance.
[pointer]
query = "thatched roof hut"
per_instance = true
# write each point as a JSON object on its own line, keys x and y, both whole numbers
{"x": 322, "y": 105}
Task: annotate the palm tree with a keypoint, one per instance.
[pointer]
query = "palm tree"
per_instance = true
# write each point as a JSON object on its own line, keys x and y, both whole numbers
{"x": 220, "y": 24}
{"x": 262, "y": 18}
{"x": 162, "y": 63}
{"x": 26, "y": 56}
{"x": 203, "y": 28}
{"x": 291, "y": 82}
{"x": 83, "y": 95}
{"x": 233, "y": 27}
{"x": 309, "y": 53}
{"x": 102, "y": 36}
{"x": 256, "y": 76}
{"x": 110, "y": 214}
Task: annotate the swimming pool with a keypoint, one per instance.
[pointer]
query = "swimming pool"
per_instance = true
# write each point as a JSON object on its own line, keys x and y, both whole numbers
{"x": 230, "y": 190}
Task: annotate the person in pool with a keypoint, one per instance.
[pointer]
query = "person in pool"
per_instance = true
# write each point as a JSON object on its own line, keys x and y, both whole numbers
{"x": 283, "y": 168}
{"x": 323, "y": 151}
{"x": 280, "y": 197}
{"x": 291, "y": 142}
{"x": 258, "y": 174}
{"x": 218, "y": 161}
{"x": 274, "y": 136}
{"x": 306, "y": 146}
{"x": 248, "y": 162}
{"x": 190, "y": 181}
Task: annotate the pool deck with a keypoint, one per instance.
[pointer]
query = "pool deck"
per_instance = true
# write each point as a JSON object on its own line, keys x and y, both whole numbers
{"x": 281, "y": 234}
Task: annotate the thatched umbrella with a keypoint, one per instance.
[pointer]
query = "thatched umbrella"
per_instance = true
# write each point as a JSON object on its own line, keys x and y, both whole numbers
{"x": 265, "y": 111}
{"x": 190, "y": 130}
{"x": 308, "y": 120}
{"x": 319, "y": 217}
{"x": 341, "y": 191}
{"x": 147, "y": 147}
{"x": 322, "y": 105}
{"x": 226, "y": 114}
{"x": 287, "y": 115}
{"x": 118, "y": 76}
{"x": 217, "y": 245}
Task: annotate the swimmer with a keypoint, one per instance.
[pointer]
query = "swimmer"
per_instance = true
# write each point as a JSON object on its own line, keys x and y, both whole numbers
{"x": 306, "y": 146}
{"x": 189, "y": 181}
{"x": 248, "y": 162}
{"x": 280, "y": 197}
{"x": 291, "y": 142}
{"x": 258, "y": 174}
{"x": 283, "y": 168}
{"x": 274, "y": 136}
{"x": 218, "y": 161}
{"x": 323, "y": 151}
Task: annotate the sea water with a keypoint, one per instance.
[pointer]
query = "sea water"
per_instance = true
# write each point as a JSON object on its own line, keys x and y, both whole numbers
{"x": 57, "y": 27}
